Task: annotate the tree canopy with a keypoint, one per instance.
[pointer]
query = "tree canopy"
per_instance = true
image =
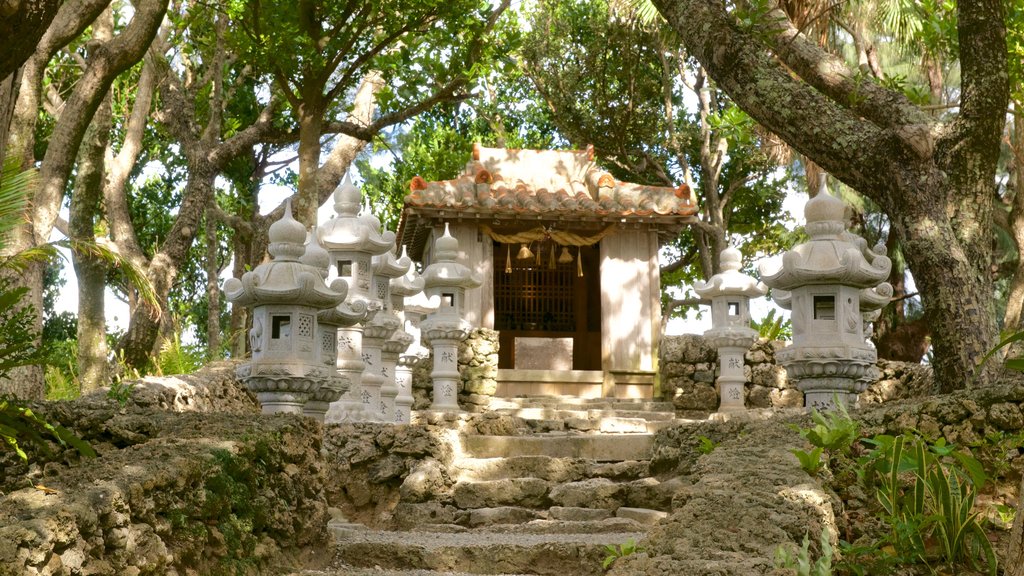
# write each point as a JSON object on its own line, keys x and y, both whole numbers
{"x": 155, "y": 125}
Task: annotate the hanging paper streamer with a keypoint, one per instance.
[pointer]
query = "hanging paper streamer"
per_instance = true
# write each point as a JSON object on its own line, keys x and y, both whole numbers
{"x": 537, "y": 260}
{"x": 579, "y": 263}
{"x": 508, "y": 259}
{"x": 552, "y": 260}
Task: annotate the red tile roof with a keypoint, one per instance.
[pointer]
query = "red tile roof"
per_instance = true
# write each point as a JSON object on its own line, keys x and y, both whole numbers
{"x": 563, "y": 184}
{"x": 503, "y": 185}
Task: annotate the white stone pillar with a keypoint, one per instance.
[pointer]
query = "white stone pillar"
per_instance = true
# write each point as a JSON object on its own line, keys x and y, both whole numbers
{"x": 350, "y": 365}
{"x": 403, "y": 383}
{"x": 445, "y": 344}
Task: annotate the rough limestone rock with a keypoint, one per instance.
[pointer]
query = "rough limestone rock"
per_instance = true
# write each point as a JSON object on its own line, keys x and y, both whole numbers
{"x": 191, "y": 494}
{"x": 528, "y": 492}
{"x": 753, "y": 478}
{"x": 370, "y": 462}
{"x": 429, "y": 480}
{"x": 589, "y": 493}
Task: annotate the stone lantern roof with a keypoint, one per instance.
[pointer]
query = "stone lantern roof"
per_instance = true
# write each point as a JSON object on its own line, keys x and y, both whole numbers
{"x": 409, "y": 284}
{"x": 446, "y": 271}
{"x": 730, "y": 281}
{"x": 832, "y": 256}
{"x": 387, "y": 266}
{"x": 349, "y": 231}
{"x": 285, "y": 279}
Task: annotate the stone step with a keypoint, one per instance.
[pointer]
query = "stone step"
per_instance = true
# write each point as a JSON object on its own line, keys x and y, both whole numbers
{"x": 573, "y": 403}
{"x": 603, "y": 448}
{"x": 553, "y": 469}
{"x": 550, "y": 413}
{"x": 480, "y": 551}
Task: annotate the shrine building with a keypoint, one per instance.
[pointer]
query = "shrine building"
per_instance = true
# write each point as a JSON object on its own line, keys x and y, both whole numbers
{"x": 569, "y": 261}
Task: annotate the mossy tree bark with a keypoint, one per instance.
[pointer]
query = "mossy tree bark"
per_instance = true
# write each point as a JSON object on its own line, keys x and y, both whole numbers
{"x": 934, "y": 180}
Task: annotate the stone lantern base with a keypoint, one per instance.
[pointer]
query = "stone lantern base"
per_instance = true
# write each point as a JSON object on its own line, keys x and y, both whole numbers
{"x": 319, "y": 402}
{"x": 279, "y": 392}
{"x": 828, "y": 374}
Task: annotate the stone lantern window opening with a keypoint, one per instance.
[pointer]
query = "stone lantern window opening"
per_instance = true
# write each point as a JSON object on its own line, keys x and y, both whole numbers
{"x": 448, "y": 299}
{"x": 345, "y": 268}
{"x": 734, "y": 309}
{"x": 824, "y": 307}
{"x": 281, "y": 327}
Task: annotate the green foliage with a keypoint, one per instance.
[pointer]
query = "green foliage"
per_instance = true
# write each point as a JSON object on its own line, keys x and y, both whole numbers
{"x": 811, "y": 462}
{"x": 178, "y": 358}
{"x": 706, "y": 445}
{"x": 60, "y": 385}
{"x": 801, "y": 562}
{"x": 927, "y": 492}
{"x": 832, "y": 434}
{"x": 616, "y": 551}
{"x": 1014, "y": 363}
{"x": 19, "y": 424}
{"x": 121, "y": 391}
{"x": 773, "y": 327}
{"x": 834, "y": 430}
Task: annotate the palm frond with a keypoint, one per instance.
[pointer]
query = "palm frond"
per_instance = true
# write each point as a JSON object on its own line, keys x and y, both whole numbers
{"x": 16, "y": 187}
{"x": 135, "y": 275}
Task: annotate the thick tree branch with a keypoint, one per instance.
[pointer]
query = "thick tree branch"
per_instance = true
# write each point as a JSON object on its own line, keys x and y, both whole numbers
{"x": 815, "y": 125}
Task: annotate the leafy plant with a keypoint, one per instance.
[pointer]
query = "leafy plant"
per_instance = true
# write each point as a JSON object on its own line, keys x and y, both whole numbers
{"x": 17, "y": 332}
{"x": 121, "y": 391}
{"x": 615, "y": 552}
{"x": 706, "y": 445}
{"x": 773, "y": 327}
{"x": 834, "y": 430}
{"x": 178, "y": 358}
{"x": 927, "y": 494}
{"x": 801, "y": 562}
{"x": 1015, "y": 363}
{"x": 18, "y": 424}
{"x": 811, "y": 462}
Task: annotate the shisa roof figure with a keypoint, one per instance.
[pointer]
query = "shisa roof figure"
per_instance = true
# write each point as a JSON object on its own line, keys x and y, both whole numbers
{"x": 284, "y": 279}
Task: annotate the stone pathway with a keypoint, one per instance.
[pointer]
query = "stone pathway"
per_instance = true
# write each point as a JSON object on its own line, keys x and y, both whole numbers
{"x": 546, "y": 501}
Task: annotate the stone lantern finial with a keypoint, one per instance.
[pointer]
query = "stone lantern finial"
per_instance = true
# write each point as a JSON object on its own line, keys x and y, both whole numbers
{"x": 347, "y": 198}
{"x": 287, "y": 237}
{"x": 829, "y": 283}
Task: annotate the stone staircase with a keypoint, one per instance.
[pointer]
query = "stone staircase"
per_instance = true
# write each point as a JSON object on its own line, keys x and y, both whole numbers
{"x": 571, "y": 478}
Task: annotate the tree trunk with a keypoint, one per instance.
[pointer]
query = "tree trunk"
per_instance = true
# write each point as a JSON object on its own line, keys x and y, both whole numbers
{"x": 934, "y": 181}
{"x": 213, "y": 329}
{"x": 144, "y": 327}
{"x": 1015, "y": 298}
{"x": 85, "y": 211}
{"x": 1014, "y": 563}
{"x": 306, "y": 203}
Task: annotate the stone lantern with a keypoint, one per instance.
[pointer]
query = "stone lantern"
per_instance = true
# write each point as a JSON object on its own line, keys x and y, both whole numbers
{"x": 286, "y": 366}
{"x": 394, "y": 360}
{"x": 446, "y": 280}
{"x": 730, "y": 292}
{"x": 347, "y": 313}
{"x": 376, "y": 332}
{"x": 352, "y": 241}
{"x": 828, "y": 283}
